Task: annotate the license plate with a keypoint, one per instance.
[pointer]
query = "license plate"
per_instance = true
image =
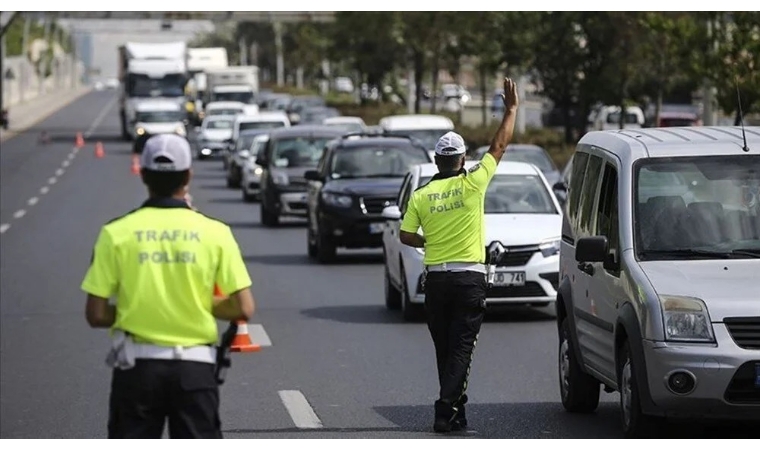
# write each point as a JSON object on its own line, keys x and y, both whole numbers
{"x": 509, "y": 279}
{"x": 375, "y": 228}
{"x": 757, "y": 376}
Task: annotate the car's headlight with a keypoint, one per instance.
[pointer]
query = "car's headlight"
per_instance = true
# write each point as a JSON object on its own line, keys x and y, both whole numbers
{"x": 140, "y": 131}
{"x": 180, "y": 131}
{"x": 255, "y": 170}
{"x": 280, "y": 178}
{"x": 549, "y": 247}
{"x": 686, "y": 319}
{"x": 342, "y": 201}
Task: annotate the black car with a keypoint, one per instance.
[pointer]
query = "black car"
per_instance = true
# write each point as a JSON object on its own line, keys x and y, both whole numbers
{"x": 289, "y": 153}
{"x": 358, "y": 176}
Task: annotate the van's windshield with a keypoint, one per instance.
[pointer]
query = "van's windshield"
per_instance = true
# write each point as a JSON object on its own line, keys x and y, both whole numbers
{"x": 705, "y": 207}
{"x": 428, "y": 138}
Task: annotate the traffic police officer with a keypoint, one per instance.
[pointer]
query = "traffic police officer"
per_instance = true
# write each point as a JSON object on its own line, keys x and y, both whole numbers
{"x": 450, "y": 211}
{"x": 160, "y": 262}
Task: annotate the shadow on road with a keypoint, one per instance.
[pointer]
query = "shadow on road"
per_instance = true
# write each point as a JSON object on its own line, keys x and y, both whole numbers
{"x": 355, "y": 314}
{"x": 303, "y": 259}
{"x": 518, "y": 314}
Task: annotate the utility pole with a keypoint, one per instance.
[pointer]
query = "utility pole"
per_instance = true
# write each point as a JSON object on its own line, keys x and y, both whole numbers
{"x": 23, "y": 80}
{"x": 280, "y": 58}
{"x": 42, "y": 64}
{"x": 243, "y": 52}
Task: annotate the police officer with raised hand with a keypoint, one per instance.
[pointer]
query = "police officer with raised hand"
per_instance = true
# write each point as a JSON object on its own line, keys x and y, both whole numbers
{"x": 160, "y": 263}
{"x": 450, "y": 211}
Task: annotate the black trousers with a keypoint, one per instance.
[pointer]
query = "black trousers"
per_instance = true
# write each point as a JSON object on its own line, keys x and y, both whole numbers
{"x": 455, "y": 303}
{"x": 143, "y": 397}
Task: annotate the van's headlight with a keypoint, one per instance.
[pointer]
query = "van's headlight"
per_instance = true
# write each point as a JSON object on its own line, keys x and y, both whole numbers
{"x": 254, "y": 170}
{"x": 140, "y": 131}
{"x": 342, "y": 201}
{"x": 549, "y": 247}
{"x": 686, "y": 319}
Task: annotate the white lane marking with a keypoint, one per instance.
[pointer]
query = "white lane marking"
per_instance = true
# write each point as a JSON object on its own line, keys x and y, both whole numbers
{"x": 4, "y": 227}
{"x": 19, "y": 214}
{"x": 299, "y": 409}
{"x": 100, "y": 117}
{"x": 72, "y": 155}
{"x": 259, "y": 335}
{"x": 33, "y": 201}
{"x": 59, "y": 172}
{"x": 65, "y": 163}
{"x": 44, "y": 190}
{"x": 52, "y": 180}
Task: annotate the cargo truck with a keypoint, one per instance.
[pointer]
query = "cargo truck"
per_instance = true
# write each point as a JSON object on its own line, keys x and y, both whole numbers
{"x": 149, "y": 71}
{"x": 235, "y": 83}
{"x": 200, "y": 60}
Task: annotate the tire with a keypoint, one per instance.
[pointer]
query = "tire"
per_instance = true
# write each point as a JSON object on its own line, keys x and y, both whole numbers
{"x": 392, "y": 295}
{"x": 411, "y": 312}
{"x": 268, "y": 218}
{"x": 636, "y": 424}
{"x": 311, "y": 247}
{"x": 248, "y": 198}
{"x": 579, "y": 391}
{"x": 326, "y": 251}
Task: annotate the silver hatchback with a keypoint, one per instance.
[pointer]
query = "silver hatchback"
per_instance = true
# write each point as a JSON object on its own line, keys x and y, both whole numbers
{"x": 659, "y": 295}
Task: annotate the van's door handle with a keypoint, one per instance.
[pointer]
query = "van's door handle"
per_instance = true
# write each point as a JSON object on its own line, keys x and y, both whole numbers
{"x": 587, "y": 268}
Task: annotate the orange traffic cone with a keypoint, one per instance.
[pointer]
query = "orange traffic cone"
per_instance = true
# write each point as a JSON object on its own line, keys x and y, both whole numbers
{"x": 218, "y": 293}
{"x": 79, "y": 141}
{"x": 242, "y": 341}
{"x": 99, "y": 152}
{"x": 135, "y": 166}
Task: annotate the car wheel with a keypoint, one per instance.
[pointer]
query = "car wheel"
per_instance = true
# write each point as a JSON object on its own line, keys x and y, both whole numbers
{"x": 636, "y": 424}
{"x": 410, "y": 311}
{"x": 326, "y": 250}
{"x": 230, "y": 181}
{"x": 392, "y": 295}
{"x": 248, "y": 198}
{"x": 311, "y": 245}
{"x": 579, "y": 390}
{"x": 268, "y": 218}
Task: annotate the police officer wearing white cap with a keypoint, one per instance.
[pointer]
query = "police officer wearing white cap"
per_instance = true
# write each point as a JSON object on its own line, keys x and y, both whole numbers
{"x": 160, "y": 263}
{"x": 450, "y": 211}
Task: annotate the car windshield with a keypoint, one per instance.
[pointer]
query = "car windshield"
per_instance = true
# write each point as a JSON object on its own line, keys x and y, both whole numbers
{"x": 428, "y": 138}
{"x": 376, "y": 162}
{"x": 244, "y": 141}
{"x": 242, "y": 97}
{"x": 219, "y": 124}
{"x": 698, "y": 207}
{"x": 260, "y": 125}
{"x": 143, "y": 86}
{"x": 298, "y": 152}
{"x": 225, "y": 111}
{"x": 515, "y": 194}
{"x": 160, "y": 116}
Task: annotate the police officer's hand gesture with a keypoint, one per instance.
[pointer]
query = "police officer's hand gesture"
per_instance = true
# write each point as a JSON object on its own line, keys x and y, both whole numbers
{"x": 509, "y": 97}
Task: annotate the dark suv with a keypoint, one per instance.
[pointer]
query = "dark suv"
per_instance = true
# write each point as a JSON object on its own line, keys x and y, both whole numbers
{"x": 289, "y": 153}
{"x": 358, "y": 176}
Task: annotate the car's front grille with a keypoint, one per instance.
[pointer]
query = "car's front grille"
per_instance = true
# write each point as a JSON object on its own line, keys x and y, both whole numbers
{"x": 531, "y": 289}
{"x": 375, "y": 205}
{"x": 742, "y": 388}
{"x": 745, "y": 331}
{"x": 516, "y": 255}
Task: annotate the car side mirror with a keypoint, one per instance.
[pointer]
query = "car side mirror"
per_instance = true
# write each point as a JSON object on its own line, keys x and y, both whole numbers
{"x": 392, "y": 212}
{"x": 560, "y": 186}
{"x": 261, "y": 161}
{"x": 229, "y": 141}
{"x": 312, "y": 175}
{"x": 244, "y": 153}
{"x": 591, "y": 249}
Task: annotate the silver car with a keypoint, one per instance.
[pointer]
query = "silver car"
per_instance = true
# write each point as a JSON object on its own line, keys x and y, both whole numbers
{"x": 659, "y": 297}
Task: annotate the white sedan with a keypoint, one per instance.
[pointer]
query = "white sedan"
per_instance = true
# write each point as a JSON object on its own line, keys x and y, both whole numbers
{"x": 521, "y": 212}
{"x": 251, "y": 181}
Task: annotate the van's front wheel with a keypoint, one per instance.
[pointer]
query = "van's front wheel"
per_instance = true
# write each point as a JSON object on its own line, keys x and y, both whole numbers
{"x": 579, "y": 390}
{"x": 636, "y": 424}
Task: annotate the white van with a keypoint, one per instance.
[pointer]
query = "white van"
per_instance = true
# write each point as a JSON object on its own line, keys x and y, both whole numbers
{"x": 426, "y": 128}
{"x": 608, "y": 118}
{"x": 158, "y": 116}
{"x": 259, "y": 121}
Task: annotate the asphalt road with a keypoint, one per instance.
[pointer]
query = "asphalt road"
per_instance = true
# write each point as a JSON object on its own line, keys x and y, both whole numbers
{"x": 335, "y": 363}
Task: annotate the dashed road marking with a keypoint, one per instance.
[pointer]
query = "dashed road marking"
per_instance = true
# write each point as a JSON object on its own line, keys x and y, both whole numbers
{"x": 44, "y": 190}
{"x": 72, "y": 155}
{"x": 59, "y": 172}
{"x": 66, "y": 163}
{"x": 299, "y": 409}
{"x": 52, "y": 180}
{"x": 4, "y": 227}
{"x": 33, "y": 201}
{"x": 19, "y": 214}
{"x": 100, "y": 117}
{"x": 259, "y": 335}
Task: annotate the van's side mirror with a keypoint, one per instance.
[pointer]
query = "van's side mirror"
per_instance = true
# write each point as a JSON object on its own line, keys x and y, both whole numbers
{"x": 244, "y": 153}
{"x": 312, "y": 175}
{"x": 560, "y": 186}
{"x": 591, "y": 249}
{"x": 392, "y": 212}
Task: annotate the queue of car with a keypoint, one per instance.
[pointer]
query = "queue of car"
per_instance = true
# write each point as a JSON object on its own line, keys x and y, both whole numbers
{"x": 647, "y": 244}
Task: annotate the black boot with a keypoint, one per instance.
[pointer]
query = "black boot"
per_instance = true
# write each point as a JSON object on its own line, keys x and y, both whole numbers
{"x": 444, "y": 415}
{"x": 460, "y": 420}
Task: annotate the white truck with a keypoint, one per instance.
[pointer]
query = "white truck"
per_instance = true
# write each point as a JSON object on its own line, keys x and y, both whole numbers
{"x": 200, "y": 60}
{"x": 150, "y": 71}
{"x": 235, "y": 83}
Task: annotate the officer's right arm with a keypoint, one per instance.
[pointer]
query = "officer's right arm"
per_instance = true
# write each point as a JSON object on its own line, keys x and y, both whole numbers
{"x": 504, "y": 134}
{"x": 232, "y": 276}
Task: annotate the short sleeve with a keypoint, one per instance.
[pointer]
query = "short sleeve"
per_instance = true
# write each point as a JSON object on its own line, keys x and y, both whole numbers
{"x": 411, "y": 221}
{"x": 231, "y": 274}
{"x": 101, "y": 278}
{"x": 481, "y": 173}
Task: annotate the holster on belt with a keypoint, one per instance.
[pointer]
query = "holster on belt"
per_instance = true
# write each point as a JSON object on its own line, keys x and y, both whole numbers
{"x": 122, "y": 355}
{"x": 223, "y": 360}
